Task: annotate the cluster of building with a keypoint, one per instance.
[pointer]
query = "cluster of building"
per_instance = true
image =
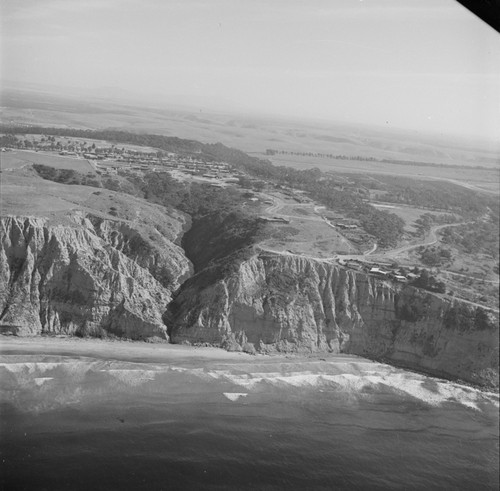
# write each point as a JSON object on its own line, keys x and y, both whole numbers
{"x": 295, "y": 194}
{"x": 139, "y": 162}
{"x": 158, "y": 162}
{"x": 110, "y": 159}
{"x": 396, "y": 274}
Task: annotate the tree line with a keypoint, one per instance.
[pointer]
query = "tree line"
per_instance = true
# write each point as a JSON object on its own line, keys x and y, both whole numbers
{"x": 272, "y": 151}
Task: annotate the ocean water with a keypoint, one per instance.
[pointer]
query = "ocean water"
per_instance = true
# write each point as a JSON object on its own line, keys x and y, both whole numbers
{"x": 78, "y": 423}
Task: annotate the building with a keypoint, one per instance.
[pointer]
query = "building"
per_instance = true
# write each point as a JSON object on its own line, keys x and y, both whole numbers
{"x": 274, "y": 219}
{"x": 400, "y": 278}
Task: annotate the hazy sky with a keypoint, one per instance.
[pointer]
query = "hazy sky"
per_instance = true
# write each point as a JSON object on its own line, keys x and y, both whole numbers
{"x": 425, "y": 64}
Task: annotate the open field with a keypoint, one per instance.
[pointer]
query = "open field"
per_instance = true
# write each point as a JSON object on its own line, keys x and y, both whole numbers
{"x": 307, "y": 233}
{"x": 20, "y": 158}
{"x": 59, "y": 203}
{"x": 45, "y": 197}
{"x": 487, "y": 180}
{"x": 408, "y": 213}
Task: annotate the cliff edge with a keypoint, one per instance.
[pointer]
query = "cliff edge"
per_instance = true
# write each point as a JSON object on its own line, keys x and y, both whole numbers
{"x": 89, "y": 276}
{"x": 290, "y": 303}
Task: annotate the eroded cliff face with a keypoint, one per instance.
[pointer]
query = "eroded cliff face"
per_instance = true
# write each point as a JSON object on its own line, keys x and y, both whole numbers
{"x": 89, "y": 276}
{"x": 288, "y": 303}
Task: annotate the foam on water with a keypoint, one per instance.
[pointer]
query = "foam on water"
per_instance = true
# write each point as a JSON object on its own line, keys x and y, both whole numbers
{"x": 132, "y": 377}
{"x": 30, "y": 367}
{"x": 41, "y": 380}
{"x": 407, "y": 383}
{"x": 234, "y": 396}
{"x": 353, "y": 379}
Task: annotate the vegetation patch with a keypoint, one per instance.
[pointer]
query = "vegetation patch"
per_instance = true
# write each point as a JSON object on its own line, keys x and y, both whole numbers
{"x": 478, "y": 237}
{"x": 435, "y": 256}
{"x": 464, "y": 317}
{"x": 66, "y": 176}
{"x": 411, "y": 309}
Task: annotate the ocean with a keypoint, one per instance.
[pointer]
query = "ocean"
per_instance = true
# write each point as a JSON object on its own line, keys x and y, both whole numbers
{"x": 344, "y": 423}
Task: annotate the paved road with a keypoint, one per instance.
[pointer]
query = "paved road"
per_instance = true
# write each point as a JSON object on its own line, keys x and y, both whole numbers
{"x": 495, "y": 282}
{"x": 371, "y": 251}
{"x": 431, "y": 239}
{"x": 475, "y": 304}
{"x": 335, "y": 258}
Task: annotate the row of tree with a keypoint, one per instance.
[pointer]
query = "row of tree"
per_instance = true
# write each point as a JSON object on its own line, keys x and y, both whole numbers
{"x": 271, "y": 152}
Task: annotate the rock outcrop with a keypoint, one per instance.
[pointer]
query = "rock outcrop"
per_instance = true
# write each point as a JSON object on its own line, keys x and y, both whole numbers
{"x": 289, "y": 303}
{"x": 92, "y": 276}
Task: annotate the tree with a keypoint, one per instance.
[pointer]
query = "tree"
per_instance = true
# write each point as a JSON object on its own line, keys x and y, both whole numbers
{"x": 244, "y": 182}
{"x": 259, "y": 185}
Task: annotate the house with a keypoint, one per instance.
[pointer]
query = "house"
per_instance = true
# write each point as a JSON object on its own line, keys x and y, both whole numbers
{"x": 378, "y": 272}
{"x": 400, "y": 278}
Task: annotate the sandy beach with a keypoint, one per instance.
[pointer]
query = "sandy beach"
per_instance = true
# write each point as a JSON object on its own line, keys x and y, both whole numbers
{"x": 132, "y": 351}
{"x": 32, "y": 361}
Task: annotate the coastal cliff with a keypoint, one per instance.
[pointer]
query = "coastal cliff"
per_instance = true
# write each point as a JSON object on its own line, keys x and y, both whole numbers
{"x": 89, "y": 276}
{"x": 288, "y": 303}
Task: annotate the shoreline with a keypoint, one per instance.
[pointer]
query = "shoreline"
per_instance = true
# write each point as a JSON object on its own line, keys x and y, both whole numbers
{"x": 30, "y": 363}
{"x": 132, "y": 351}
{"x": 142, "y": 352}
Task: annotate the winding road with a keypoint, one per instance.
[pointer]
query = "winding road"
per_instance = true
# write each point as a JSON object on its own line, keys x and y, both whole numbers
{"x": 431, "y": 239}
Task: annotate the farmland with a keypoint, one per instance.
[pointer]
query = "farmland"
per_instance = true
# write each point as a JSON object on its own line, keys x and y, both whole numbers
{"x": 487, "y": 180}
{"x": 252, "y": 134}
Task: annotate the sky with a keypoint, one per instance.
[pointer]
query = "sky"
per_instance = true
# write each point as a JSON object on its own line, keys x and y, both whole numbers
{"x": 425, "y": 65}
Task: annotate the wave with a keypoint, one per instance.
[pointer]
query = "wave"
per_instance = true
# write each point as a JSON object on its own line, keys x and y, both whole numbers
{"x": 364, "y": 380}
{"x": 234, "y": 396}
{"x": 433, "y": 392}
